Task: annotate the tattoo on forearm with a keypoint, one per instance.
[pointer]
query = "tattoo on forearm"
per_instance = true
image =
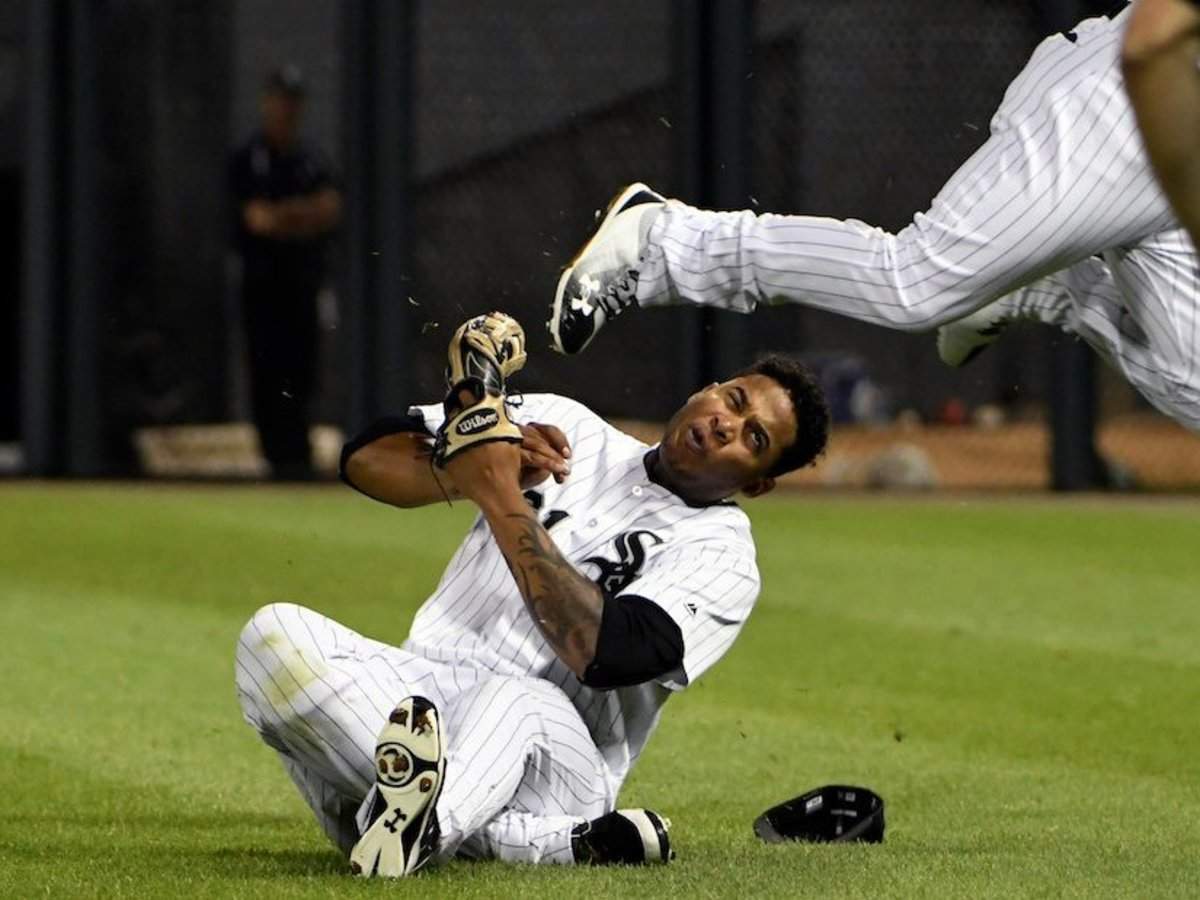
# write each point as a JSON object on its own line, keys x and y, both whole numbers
{"x": 564, "y": 603}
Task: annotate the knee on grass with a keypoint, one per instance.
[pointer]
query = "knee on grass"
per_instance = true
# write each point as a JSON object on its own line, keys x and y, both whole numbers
{"x": 275, "y": 659}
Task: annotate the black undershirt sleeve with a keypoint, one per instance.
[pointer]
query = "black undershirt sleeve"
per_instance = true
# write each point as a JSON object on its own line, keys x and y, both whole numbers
{"x": 378, "y": 429}
{"x": 638, "y": 642}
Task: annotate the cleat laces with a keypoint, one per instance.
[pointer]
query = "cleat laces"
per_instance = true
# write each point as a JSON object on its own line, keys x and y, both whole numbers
{"x": 619, "y": 295}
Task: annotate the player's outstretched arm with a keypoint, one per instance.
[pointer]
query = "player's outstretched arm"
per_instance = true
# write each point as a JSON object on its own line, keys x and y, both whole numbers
{"x": 566, "y": 605}
{"x": 1159, "y": 62}
{"x": 395, "y": 469}
{"x": 390, "y": 462}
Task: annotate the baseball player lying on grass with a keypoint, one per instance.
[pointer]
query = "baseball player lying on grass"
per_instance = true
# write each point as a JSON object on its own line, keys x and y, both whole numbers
{"x": 1056, "y": 218}
{"x": 600, "y": 576}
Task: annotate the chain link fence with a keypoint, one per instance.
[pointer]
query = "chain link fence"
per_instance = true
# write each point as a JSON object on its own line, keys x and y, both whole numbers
{"x": 524, "y": 121}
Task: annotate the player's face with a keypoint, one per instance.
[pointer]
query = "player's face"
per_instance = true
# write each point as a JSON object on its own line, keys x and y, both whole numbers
{"x": 727, "y": 437}
{"x": 280, "y": 117}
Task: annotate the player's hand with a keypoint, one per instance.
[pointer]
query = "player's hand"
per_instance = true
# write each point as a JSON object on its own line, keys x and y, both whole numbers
{"x": 544, "y": 453}
{"x": 260, "y": 217}
{"x": 487, "y": 471}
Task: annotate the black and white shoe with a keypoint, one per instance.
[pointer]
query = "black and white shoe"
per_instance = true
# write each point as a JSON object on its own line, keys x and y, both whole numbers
{"x": 630, "y": 837}
{"x": 601, "y": 281}
{"x": 397, "y": 821}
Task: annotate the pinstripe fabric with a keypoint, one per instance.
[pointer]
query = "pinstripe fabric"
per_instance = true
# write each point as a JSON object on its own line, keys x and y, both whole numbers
{"x": 517, "y": 836}
{"x": 559, "y": 779}
{"x": 530, "y": 750}
{"x": 319, "y": 693}
{"x": 1062, "y": 178}
{"x": 335, "y": 811}
{"x": 1117, "y": 304}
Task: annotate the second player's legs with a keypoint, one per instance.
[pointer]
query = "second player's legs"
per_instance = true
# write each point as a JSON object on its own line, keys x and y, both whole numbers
{"x": 521, "y": 772}
{"x": 1140, "y": 310}
{"x": 1062, "y": 177}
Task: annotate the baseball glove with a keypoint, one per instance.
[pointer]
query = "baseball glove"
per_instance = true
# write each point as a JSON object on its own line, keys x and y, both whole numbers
{"x": 835, "y": 813}
{"x": 483, "y": 354}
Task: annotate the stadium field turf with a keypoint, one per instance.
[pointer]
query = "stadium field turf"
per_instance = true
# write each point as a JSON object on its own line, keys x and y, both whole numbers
{"x": 1019, "y": 678}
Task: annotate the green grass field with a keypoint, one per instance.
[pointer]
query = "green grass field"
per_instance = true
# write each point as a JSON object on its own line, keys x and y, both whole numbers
{"x": 1020, "y": 679}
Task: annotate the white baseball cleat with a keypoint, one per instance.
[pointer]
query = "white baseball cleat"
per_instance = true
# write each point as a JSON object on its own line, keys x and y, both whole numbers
{"x": 601, "y": 281}
{"x": 397, "y": 820}
{"x": 961, "y": 341}
{"x": 630, "y": 837}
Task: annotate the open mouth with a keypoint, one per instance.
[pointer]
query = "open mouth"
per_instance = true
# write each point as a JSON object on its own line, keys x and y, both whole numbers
{"x": 694, "y": 439}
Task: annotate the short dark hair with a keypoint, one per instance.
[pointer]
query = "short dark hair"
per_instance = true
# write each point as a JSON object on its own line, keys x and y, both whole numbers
{"x": 287, "y": 80}
{"x": 808, "y": 404}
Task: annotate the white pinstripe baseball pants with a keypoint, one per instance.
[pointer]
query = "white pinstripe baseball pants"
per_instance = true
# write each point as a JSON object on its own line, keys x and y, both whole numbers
{"x": 521, "y": 768}
{"x": 1063, "y": 178}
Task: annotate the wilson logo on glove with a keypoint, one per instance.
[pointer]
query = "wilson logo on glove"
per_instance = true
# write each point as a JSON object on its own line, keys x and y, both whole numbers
{"x": 477, "y": 422}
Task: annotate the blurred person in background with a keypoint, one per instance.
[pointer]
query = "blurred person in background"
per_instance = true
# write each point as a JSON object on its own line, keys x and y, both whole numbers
{"x": 1161, "y": 62}
{"x": 286, "y": 205}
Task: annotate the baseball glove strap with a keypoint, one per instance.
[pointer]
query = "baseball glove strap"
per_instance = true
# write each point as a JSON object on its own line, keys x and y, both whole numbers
{"x": 478, "y": 423}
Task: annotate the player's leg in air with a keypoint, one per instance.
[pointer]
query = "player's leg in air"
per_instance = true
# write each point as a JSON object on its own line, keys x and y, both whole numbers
{"x": 1133, "y": 307}
{"x": 405, "y": 763}
{"x": 1063, "y": 177}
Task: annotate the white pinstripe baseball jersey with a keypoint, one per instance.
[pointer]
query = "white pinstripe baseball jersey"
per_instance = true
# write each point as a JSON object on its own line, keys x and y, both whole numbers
{"x": 635, "y": 538}
{"x": 1063, "y": 178}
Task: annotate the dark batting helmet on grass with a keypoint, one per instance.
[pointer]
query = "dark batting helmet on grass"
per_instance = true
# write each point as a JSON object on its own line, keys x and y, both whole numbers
{"x": 835, "y": 813}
